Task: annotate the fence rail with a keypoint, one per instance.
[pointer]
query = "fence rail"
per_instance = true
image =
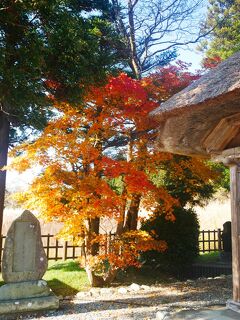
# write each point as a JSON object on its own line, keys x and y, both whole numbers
{"x": 210, "y": 240}
{"x": 55, "y": 249}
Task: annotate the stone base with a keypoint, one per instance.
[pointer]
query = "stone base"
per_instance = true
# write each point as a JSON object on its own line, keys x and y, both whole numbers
{"x": 50, "y": 302}
{"x": 233, "y": 305}
{"x": 24, "y": 290}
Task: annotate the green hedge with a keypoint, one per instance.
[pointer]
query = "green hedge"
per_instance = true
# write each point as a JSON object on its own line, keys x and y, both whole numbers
{"x": 181, "y": 237}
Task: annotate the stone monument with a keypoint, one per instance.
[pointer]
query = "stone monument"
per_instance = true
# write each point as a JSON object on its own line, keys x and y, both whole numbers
{"x": 226, "y": 254}
{"x": 24, "y": 263}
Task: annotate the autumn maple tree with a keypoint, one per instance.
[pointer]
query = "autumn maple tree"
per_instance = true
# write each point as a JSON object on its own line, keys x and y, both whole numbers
{"x": 98, "y": 162}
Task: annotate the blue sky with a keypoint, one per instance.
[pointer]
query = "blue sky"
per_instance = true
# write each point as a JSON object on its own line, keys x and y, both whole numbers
{"x": 191, "y": 55}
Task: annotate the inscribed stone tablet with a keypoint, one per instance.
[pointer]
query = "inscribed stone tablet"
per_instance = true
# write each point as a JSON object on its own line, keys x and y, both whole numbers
{"x": 24, "y": 258}
{"x": 25, "y": 239}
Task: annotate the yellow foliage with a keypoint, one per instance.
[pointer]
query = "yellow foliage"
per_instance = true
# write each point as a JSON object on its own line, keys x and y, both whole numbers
{"x": 74, "y": 187}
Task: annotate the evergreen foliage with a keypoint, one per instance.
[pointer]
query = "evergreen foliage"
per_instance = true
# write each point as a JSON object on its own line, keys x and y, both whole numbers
{"x": 186, "y": 185}
{"x": 181, "y": 177}
{"x": 50, "y": 48}
{"x": 181, "y": 237}
{"x": 224, "y": 18}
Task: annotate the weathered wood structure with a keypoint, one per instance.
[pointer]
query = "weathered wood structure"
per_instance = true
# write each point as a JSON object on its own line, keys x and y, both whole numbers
{"x": 204, "y": 120}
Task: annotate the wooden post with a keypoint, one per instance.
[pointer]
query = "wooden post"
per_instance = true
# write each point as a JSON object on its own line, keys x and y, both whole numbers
{"x": 56, "y": 252}
{"x": 48, "y": 245}
{"x": 209, "y": 241}
{"x": 231, "y": 158}
{"x": 203, "y": 241}
{"x": 1, "y": 247}
{"x": 65, "y": 247}
{"x": 235, "y": 213}
{"x": 219, "y": 240}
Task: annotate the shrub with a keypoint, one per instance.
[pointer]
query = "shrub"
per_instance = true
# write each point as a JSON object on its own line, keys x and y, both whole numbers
{"x": 181, "y": 236}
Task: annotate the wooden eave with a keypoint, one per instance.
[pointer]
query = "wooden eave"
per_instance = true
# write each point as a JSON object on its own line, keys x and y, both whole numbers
{"x": 225, "y": 135}
{"x": 204, "y": 117}
{"x": 218, "y": 82}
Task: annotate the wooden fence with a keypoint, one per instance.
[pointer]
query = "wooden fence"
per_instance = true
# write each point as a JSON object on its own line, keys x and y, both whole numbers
{"x": 210, "y": 240}
{"x": 55, "y": 249}
{"x": 59, "y": 249}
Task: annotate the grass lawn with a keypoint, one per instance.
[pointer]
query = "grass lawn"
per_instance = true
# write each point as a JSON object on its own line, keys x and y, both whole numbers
{"x": 65, "y": 278}
{"x": 210, "y": 257}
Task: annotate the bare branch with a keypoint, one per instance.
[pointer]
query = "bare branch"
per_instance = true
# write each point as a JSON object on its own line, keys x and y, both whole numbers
{"x": 123, "y": 140}
{"x": 156, "y": 26}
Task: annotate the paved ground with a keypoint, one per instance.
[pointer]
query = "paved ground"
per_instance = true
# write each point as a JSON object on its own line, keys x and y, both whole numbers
{"x": 217, "y": 313}
{"x": 201, "y": 299}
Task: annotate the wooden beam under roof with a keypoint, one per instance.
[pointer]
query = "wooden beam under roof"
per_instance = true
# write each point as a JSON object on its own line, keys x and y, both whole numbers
{"x": 225, "y": 131}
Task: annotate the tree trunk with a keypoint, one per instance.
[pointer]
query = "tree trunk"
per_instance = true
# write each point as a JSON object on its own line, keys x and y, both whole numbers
{"x": 134, "y": 63}
{"x": 120, "y": 224}
{"x": 4, "y": 142}
{"x": 94, "y": 230}
{"x": 100, "y": 281}
{"x": 132, "y": 214}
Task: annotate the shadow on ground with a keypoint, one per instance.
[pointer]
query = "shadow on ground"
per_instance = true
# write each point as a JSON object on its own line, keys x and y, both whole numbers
{"x": 58, "y": 287}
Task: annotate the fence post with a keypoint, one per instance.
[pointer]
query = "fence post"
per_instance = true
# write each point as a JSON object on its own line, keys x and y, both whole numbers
{"x": 1, "y": 253}
{"x": 56, "y": 252}
{"x": 209, "y": 241}
{"x": 219, "y": 240}
{"x": 48, "y": 245}
{"x": 214, "y": 239}
{"x": 203, "y": 240}
{"x": 65, "y": 250}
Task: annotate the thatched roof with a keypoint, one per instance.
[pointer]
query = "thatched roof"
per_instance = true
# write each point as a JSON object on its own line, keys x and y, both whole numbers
{"x": 186, "y": 119}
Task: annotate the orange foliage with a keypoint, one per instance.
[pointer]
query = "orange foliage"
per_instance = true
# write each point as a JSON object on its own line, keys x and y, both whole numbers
{"x": 124, "y": 250}
{"x": 81, "y": 151}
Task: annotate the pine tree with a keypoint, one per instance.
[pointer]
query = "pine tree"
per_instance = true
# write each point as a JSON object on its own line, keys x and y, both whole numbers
{"x": 224, "y": 18}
